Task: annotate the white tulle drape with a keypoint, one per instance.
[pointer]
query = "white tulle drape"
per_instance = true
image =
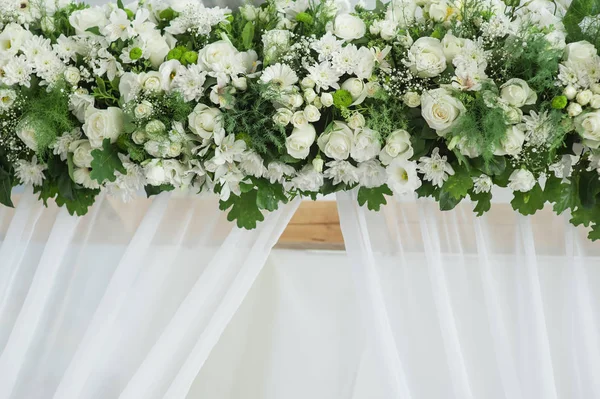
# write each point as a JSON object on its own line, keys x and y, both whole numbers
{"x": 126, "y": 302}
{"x": 502, "y": 306}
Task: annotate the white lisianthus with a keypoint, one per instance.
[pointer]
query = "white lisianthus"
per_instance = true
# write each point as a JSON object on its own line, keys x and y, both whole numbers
{"x": 440, "y": 109}
{"x": 155, "y": 172}
{"x": 349, "y": 27}
{"x": 517, "y": 93}
{"x": 402, "y": 176}
{"x": 336, "y": 143}
{"x": 580, "y": 53}
{"x": 371, "y": 174}
{"x": 143, "y": 109}
{"x": 11, "y": 39}
{"x": 282, "y": 117}
{"x": 366, "y": 145}
{"x": 388, "y": 29}
{"x": 206, "y": 122}
{"x": 82, "y": 153}
{"x": 311, "y": 113}
{"x": 26, "y": 133}
{"x": 356, "y": 87}
{"x": 299, "y": 142}
{"x": 521, "y": 180}
{"x": 82, "y": 20}
{"x": 426, "y": 58}
{"x": 397, "y": 145}
{"x": 411, "y": 99}
{"x": 72, "y": 76}
{"x": 588, "y": 127}
{"x": 103, "y": 124}
{"x": 299, "y": 119}
{"x": 512, "y": 143}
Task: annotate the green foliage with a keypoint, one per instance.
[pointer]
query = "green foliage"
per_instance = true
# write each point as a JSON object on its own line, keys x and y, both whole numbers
{"x": 563, "y": 195}
{"x": 578, "y": 10}
{"x": 484, "y": 202}
{"x": 105, "y": 162}
{"x": 530, "y": 202}
{"x": 373, "y": 197}
{"x": 458, "y": 185}
{"x": 244, "y": 209}
{"x": 6, "y": 181}
{"x": 248, "y": 35}
{"x": 589, "y": 188}
{"x": 155, "y": 190}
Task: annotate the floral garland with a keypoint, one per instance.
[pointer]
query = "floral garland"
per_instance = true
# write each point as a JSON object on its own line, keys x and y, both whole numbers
{"x": 295, "y": 98}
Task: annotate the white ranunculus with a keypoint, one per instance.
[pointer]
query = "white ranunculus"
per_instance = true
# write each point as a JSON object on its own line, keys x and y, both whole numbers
{"x": 155, "y": 172}
{"x": 580, "y": 53}
{"x": 402, "y": 176}
{"x": 521, "y": 180}
{"x": 336, "y": 143}
{"x": 440, "y": 109}
{"x": 412, "y": 99}
{"x": 397, "y": 145}
{"x": 452, "y": 45}
{"x": 82, "y": 20}
{"x": 216, "y": 52}
{"x": 356, "y": 87}
{"x": 82, "y": 153}
{"x": 282, "y": 117}
{"x": 512, "y": 143}
{"x": 79, "y": 102}
{"x": 72, "y": 76}
{"x": 517, "y": 93}
{"x": 26, "y": 133}
{"x": 139, "y": 137}
{"x": 103, "y": 124}
{"x": 311, "y": 113}
{"x": 349, "y": 27}
{"x": 426, "y": 57}
{"x": 299, "y": 142}
{"x": 588, "y": 126}
{"x": 366, "y": 145}
{"x": 205, "y": 121}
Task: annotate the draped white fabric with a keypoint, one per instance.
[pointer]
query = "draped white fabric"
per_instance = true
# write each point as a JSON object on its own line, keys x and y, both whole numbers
{"x": 456, "y": 306}
{"x": 127, "y": 301}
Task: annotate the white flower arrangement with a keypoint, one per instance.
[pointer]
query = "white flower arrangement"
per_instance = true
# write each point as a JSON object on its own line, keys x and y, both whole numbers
{"x": 295, "y": 98}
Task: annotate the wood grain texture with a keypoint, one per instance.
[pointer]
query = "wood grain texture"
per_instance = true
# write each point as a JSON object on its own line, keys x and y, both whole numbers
{"x": 315, "y": 225}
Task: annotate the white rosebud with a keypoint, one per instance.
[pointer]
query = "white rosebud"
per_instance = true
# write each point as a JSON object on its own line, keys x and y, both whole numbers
{"x": 426, "y": 58}
{"x": 82, "y": 153}
{"x": 588, "y": 126}
{"x": 356, "y": 88}
{"x": 152, "y": 82}
{"x": 412, "y": 99}
{"x": 311, "y": 113}
{"x": 356, "y": 121}
{"x": 326, "y": 99}
{"x": 512, "y": 143}
{"x": 143, "y": 110}
{"x": 574, "y": 109}
{"x": 240, "y": 83}
{"x": 595, "y": 88}
{"x": 174, "y": 150}
{"x": 206, "y": 122}
{"x": 299, "y": 119}
{"x": 513, "y": 115}
{"x": 299, "y": 142}
{"x": 307, "y": 83}
{"x": 337, "y": 142}
{"x": 440, "y": 109}
{"x": 103, "y": 124}
{"x": 317, "y": 163}
{"x": 317, "y": 103}
{"x": 521, "y": 180}
{"x": 139, "y": 137}
{"x": 570, "y": 92}
{"x": 371, "y": 88}
{"x": 584, "y": 97}
{"x": 397, "y": 145}
{"x": 595, "y": 101}
{"x": 72, "y": 76}
{"x": 249, "y": 12}
{"x": 309, "y": 95}
{"x": 282, "y": 117}
{"x": 405, "y": 40}
{"x": 517, "y": 93}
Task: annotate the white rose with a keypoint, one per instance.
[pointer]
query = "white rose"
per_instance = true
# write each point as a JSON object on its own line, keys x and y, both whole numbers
{"x": 588, "y": 126}
{"x": 151, "y": 81}
{"x": 438, "y": 10}
{"x": 299, "y": 119}
{"x": 337, "y": 142}
{"x": 307, "y": 83}
{"x": 216, "y": 52}
{"x": 513, "y": 115}
{"x": 81, "y": 20}
{"x": 72, "y": 76}
{"x": 143, "y": 110}
{"x": 366, "y": 145}
{"x": 521, "y": 180}
{"x": 282, "y": 117}
{"x": 27, "y": 135}
{"x": 595, "y": 101}
{"x": 440, "y": 110}
{"x": 388, "y": 29}
{"x": 512, "y": 143}
{"x": 349, "y": 27}
{"x": 79, "y": 102}
{"x": 397, "y": 145}
{"x": 327, "y": 99}
{"x": 249, "y": 12}
{"x": 82, "y": 153}
{"x": 103, "y": 124}
{"x": 174, "y": 149}
{"x": 584, "y": 97}
{"x": 570, "y": 92}
{"x": 468, "y": 150}
{"x": 299, "y": 142}
{"x": 139, "y": 137}
{"x": 574, "y": 109}
{"x": 155, "y": 173}
{"x": 557, "y": 39}
{"x": 580, "y": 53}
{"x": 426, "y": 58}
{"x": 356, "y": 87}
{"x": 356, "y": 121}
{"x": 517, "y": 93}
{"x": 310, "y": 95}
{"x": 205, "y": 121}
{"x": 157, "y": 46}
{"x": 412, "y": 99}
{"x": 311, "y": 113}
{"x": 452, "y": 45}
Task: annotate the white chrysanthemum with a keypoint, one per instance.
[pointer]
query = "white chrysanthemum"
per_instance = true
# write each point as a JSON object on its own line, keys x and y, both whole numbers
{"x": 345, "y": 60}
{"x": 341, "y": 172}
{"x": 279, "y": 75}
{"x": 371, "y": 174}
{"x": 308, "y": 179}
{"x": 324, "y": 76}
{"x": 35, "y": 46}
{"x": 482, "y": 184}
{"x": 198, "y": 19}
{"x": 135, "y": 46}
{"x": 60, "y": 147}
{"x": 17, "y": 72}
{"x": 127, "y": 185}
{"x": 537, "y": 127}
{"x": 190, "y": 82}
{"x": 252, "y": 164}
{"x": 435, "y": 168}
{"x": 277, "y": 170}
{"x": 66, "y": 48}
{"x": 30, "y": 172}
{"x": 326, "y": 46}
{"x": 402, "y": 176}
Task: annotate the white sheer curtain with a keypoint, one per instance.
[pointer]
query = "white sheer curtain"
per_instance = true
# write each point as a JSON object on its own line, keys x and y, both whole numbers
{"x": 127, "y": 301}
{"x": 502, "y": 306}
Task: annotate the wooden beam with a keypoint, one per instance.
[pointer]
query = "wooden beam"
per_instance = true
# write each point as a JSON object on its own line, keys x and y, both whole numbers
{"x": 315, "y": 225}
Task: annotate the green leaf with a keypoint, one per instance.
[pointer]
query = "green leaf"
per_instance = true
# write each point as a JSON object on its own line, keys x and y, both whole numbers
{"x": 563, "y": 195}
{"x": 458, "y": 184}
{"x": 155, "y": 190}
{"x": 492, "y": 167}
{"x": 6, "y": 185}
{"x": 428, "y": 190}
{"x": 244, "y": 209}
{"x": 120, "y": 4}
{"x": 448, "y": 201}
{"x": 269, "y": 195}
{"x": 589, "y": 188}
{"x": 373, "y": 197}
{"x": 95, "y": 30}
{"x": 248, "y": 35}
{"x": 484, "y": 202}
{"x": 80, "y": 202}
{"x": 70, "y": 165}
{"x": 530, "y": 202}
{"x": 105, "y": 162}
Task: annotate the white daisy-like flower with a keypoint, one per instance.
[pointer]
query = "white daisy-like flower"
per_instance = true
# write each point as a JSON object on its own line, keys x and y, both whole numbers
{"x": 435, "y": 168}
{"x": 341, "y": 172}
{"x": 60, "y": 147}
{"x": 279, "y": 75}
{"x": 402, "y": 176}
{"x": 277, "y": 170}
{"x": 17, "y": 72}
{"x": 345, "y": 60}
{"x": 252, "y": 164}
{"x": 326, "y": 46}
{"x": 537, "y": 127}
{"x": 482, "y": 184}
{"x": 324, "y": 76}
{"x": 30, "y": 172}
{"x": 190, "y": 82}
{"x": 36, "y": 45}
{"x": 66, "y": 48}
{"x": 129, "y": 51}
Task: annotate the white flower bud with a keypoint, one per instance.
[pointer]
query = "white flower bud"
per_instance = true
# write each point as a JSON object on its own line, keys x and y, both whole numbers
{"x": 143, "y": 110}
{"x": 240, "y": 83}
{"x": 72, "y": 76}
{"x": 596, "y": 88}
{"x": 139, "y": 137}
{"x": 327, "y": 99}
{"x": 574, "y": 109}
{"x": 299, "y": 119}
{"x": 372, "y": 88}
{"x": 317, "y": 163}
{"x": 584, "y": 97}
{"x": 282, "y": 117}
{"x": 356, "y": 121}
{"x": 309, "y": 95}
{"x": 307, "y": 83}
{"x": 412, "y": 99}
{"x": 595, "y": 101}
{"x": 311, "y": 113}
{"x": 570, "y": 92}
